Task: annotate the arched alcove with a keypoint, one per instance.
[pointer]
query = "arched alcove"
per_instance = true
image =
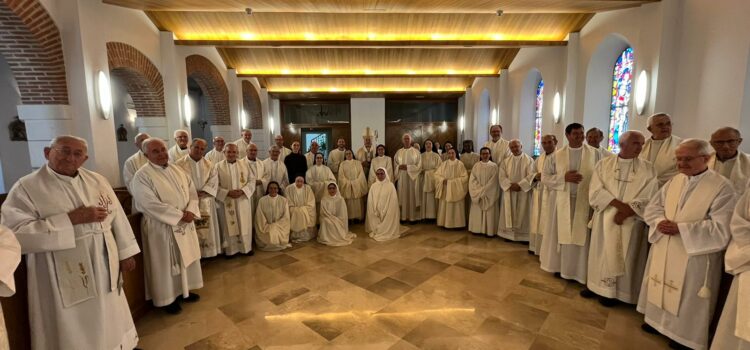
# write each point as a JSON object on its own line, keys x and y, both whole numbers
{"x": 200, "y": 122}
{"x": 14, "y": 155}
{"x": 598, "y": 96}
{"x": 251, "y": 105}
{"x": 484, "y": 112}
{"x": 208, "y": 79}
{"x": 527, "y": 109}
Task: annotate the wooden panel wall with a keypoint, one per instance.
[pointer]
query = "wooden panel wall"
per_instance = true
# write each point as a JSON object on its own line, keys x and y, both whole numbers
{"x": 419, "y": 133}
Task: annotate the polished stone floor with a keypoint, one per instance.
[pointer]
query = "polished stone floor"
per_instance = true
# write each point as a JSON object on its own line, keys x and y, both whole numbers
{"x": 433, "y": 289}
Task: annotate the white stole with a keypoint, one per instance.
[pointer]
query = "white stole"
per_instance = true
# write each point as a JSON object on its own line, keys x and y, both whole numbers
{"x": 231, "y": 204}
{"x": 737, "y": 177}
{"x": 536, "y": 226}
{"x": 665, "y": 158}
{"x": 574, "y": 231}
{"x": 666, "y": 280}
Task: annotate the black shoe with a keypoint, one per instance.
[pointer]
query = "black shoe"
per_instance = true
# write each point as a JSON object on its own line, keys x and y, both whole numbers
{"x": 507, "y": 240}
{"x": 531, "y": 252}
{"x": 558, "y": 275}
{"x": 675, "y": 345}
{"x": 587, "y": 293}
{"x": 648, "y": 329}
{"x": 250, "y": 253}
{"x": 173, "y": 308}
{"x": 608, "y": 302}
{"x": 228, "y": 257}
{"x": 192, "y": 298}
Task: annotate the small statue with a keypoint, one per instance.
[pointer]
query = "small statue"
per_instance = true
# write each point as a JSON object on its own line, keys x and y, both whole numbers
{"x": 122, "y": 134}
{"x": 17, "y": 130}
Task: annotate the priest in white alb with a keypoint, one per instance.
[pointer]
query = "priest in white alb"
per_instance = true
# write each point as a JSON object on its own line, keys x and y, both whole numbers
{"x": 275, "y": 168}
{"x": 689, "y": 222}
{"x": 727, "y": 160}
{"x": 620, "y": 189}
{"x": 336, "y": 156}
{"x": 498, "y": 145}
{"x": 733, "y": 331}
{"x": 257, "y": 172}
{"x": 203, "y": 174}
{"x": 484, "y": 191}
{"x": 244, "y": 142}
{"x": 659, "y": 148}
{"x": 430, "y": 162}
{"x": 171, "y": 251}
{"x": 451, "y": 188}
{"x": 302, "y": 213}
{"x": 540, "y": 206}
{"x": 272, "y": 220}
{"x": 310, "y": 155}
{"x": 234, "y": 201}
{"x": 10, "y": 257}
{"x": 366, "y": 153}
{"x": 78, "y": 243}
{"x": 216, "y": 154}
{"x": 181, "y": 147}
{"x": 567, "y": 174}
{"x": 382, "y": 221}
{"x": 283, "y": 150}
{"x": 513, "y": 223}
{"x": 134, "y": 162}
{"x": 407, "y": 163}
{"x": 353, "y": 186}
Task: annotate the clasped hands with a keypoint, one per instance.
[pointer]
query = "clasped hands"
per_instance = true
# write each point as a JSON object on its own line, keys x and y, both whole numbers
{"x": 235, "y": 194}
{"x": 668, "y": 228}
{"x": 624, "y": 211}
{"x": 573, "y": 176}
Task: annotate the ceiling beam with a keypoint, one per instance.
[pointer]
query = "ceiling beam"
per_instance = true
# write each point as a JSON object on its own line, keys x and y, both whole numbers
{"x": 436, "y": 44}
{"x": 265, "y": 76}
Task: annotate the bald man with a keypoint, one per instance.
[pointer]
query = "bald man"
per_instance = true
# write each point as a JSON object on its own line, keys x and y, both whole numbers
{"x": 216, "y": 154}
{"x": 727, "y": 160}
{"x": 540, "y": 196}
{"x": 659, "y": 149}
{"x": 621, "y": 187}
{"x": 134, "y": 162}
{"x": 181, "y": 147}
{"x": 283, "y": 151}
{"x": 244, "y": 141}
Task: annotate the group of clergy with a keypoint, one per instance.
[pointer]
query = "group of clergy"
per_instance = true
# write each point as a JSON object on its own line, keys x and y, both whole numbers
{"x": 655, "y": 225}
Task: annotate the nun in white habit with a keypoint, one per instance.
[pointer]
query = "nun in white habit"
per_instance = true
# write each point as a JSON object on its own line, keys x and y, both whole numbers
{"x": 318, "y": 176}
{"x": 382, "y": 221}
{"x": 301, "y": 210}
{"x": 272, "y": 220}
{"x": 334, "y": 222}
{"x": 484, "y": 191}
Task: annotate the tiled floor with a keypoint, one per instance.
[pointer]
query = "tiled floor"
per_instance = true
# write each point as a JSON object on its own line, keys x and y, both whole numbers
{"x": 433, "y": 289}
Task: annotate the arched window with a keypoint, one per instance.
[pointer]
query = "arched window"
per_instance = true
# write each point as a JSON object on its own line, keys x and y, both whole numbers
{"x": 538, "y": 118}
{"x": 621, "y": 88}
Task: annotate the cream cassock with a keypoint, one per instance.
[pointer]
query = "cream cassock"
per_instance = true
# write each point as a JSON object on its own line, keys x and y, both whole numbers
{"x": 499, "y": 149}
{"x": 175, "y": 153}
{"x": 283, "y": 152}
{"x": 235, "y": 214}
{"x": 242, "y": 146}
{"x": 540, "y": 208}
{"x": 382, "y": 221}
{"x": 204, "y": 178}
{"x": 276, "y": 172}
{"x": 214, "y": 156}
{"x": 131, "y": 166}
{"x": 272, "y": 222}
{"x": 302, "y": 213}
{"x": 353, "y": 186}
{"x": 408, "y": 183}
{"x": 366, "y": 155}
{"x": 335, "y": 157}
{"x": 451, "y": 195}
{"x": 258, "y": 172}
{"x": 10, "y": 257}
{"x": 484, "y": 191}
{"x": 733, "y": 331}
{"x": 681, "y": 281}
{"x": 75, "y": 295}
{"x": 171, "y": 249}
{"x": 661, "y": 155}
{"x": 334, "y": 223}
{"x": 514, "y": 218}
{"x": 430, "y": 162}
{"x": 618, "y": 253}
{"x": 568, "y": 225}
{"x": 736, "y": 170}
{"x": 380, "y": 162}
{"x": 318, "y": 176}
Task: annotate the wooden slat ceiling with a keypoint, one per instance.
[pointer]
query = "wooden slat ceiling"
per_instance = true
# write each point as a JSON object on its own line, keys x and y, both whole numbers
{"x": 364, "y": 46}
{"x": 401, "y": 6}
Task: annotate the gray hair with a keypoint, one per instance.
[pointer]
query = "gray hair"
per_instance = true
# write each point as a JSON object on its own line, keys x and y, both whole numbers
{"x": 624, "y": 137}
{"x": 218, "y": 138}
{"x": 515, "y": 140}
{"x": 198, "y": 139}
{"x": 57, "y": 140}
{"x": 248, "y": 130}
{"x": 702, "y": 146}
{"x": 139, "y": 135}
{"x": 728, "y": 128}
{"x": 144, "y": 145}
{"x": 174, "y": 134}
{"x": 274, "y": 147}
{"x": 657, "y": 115}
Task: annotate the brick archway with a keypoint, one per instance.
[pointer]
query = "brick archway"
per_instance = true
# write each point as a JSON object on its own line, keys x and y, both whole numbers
{"x": 251, "y": 104}
{"x": 212, "y": 84}
{"x": 30, "y": 43}
{"x": 140, "y": 76}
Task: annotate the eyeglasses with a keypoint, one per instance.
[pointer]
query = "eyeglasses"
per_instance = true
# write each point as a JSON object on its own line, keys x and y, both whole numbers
{"x": 731, "y": 142}
{"x": 67, "y": 152}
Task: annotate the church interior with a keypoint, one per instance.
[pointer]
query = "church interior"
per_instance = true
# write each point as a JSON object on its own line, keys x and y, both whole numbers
{"x": 320, "y": 71}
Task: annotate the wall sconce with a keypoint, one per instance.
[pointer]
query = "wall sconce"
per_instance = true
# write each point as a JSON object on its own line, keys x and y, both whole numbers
{"x": 187, "y": 106}
{"x": 641, "y": 92}
{"x": 270, "y": 124}
{"x": 444, "y": 127}
{"x": 493, "y": 119}
{"x": 461, "y": 123}
{"x": 104, "y": 90}
{"x": 556, "y": 107}
{"x": 243, "y": 119}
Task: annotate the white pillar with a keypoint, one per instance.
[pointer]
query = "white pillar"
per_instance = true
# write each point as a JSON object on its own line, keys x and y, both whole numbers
{"x": 154, "y": 127}
{"x": 569, "y": 96}
{"x": 174, "y": 76}
{"x": 234, "y": 87}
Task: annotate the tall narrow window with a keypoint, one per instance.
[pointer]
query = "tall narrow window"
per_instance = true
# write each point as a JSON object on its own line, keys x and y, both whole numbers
{"x": 538, "y": 118}
{"x": 621, "y": 88}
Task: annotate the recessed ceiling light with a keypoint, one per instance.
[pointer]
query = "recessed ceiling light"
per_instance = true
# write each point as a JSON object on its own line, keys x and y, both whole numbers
{"x": 499, "y": 13}
{"x": 249, "y": 11}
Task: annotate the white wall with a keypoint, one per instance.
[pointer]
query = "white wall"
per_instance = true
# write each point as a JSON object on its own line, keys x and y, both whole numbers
{"x": 14, "y": 155}
{"x": 367, "y": 112}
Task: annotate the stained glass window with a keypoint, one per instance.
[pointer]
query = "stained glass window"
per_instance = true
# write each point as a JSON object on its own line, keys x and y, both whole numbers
{"x": 538, "y": 118}
{"x": 621, "y": 88}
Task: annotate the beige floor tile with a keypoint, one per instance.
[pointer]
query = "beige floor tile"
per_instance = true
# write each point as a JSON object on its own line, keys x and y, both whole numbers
{"x": 572, "y": 333}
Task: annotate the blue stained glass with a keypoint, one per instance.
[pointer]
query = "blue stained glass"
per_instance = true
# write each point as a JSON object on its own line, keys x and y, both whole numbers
{"x": 621, "y": 89}
{"x": 538, "y": 118}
